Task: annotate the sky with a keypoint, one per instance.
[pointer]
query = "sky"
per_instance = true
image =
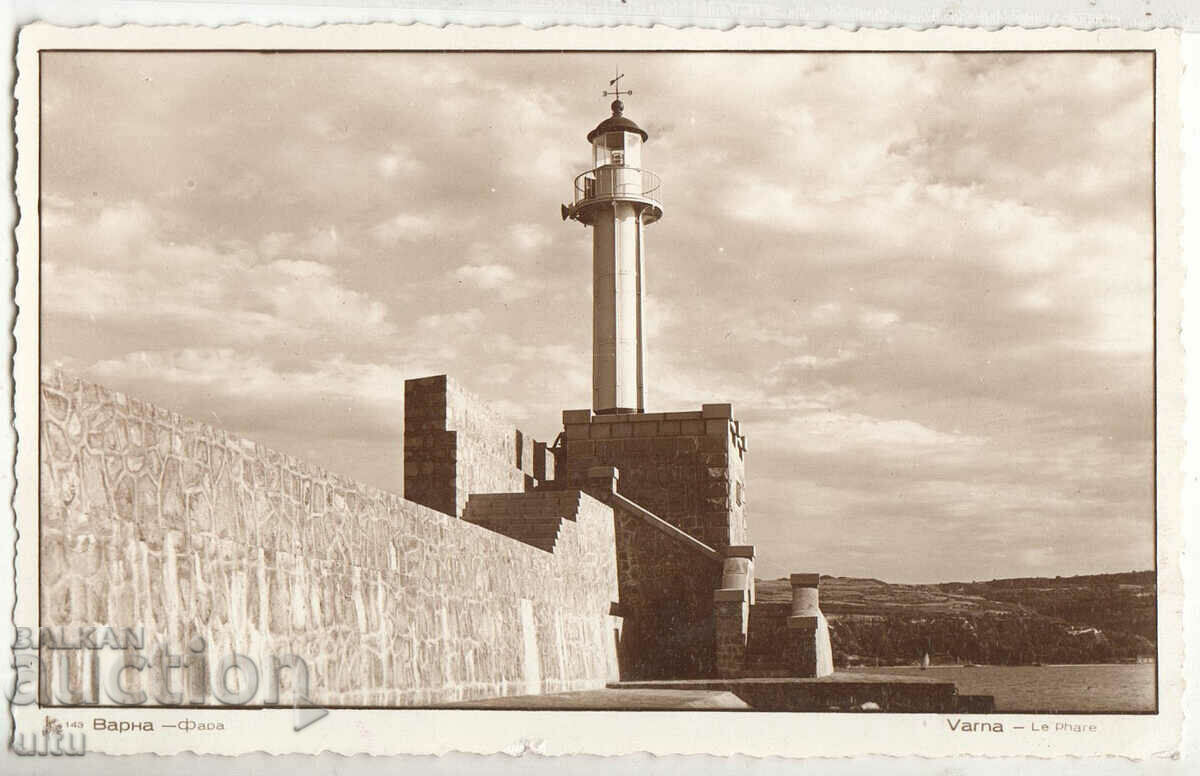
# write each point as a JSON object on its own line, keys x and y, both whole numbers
{"x": 923, "y": 280}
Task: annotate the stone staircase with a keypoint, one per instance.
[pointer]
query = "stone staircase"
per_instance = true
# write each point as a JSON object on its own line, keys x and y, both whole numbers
{"x": 535, "y": 517}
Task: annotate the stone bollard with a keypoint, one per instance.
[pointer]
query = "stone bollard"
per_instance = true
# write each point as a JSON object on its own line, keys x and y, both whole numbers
{"x": 806, "y": 595}
{"x": 810, "y": 650}
{"x": 738, "y": 571}
{"x": 731, "y": 610}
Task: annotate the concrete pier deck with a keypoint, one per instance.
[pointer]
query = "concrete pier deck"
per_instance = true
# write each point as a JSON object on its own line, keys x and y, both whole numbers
{"x": 616, "y": 699}
{"x": 837, "y": 692}
{"x": 840, "y": 692}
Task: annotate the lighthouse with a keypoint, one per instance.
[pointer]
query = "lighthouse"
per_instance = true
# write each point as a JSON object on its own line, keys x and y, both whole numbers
{"x": 617, "y": 198}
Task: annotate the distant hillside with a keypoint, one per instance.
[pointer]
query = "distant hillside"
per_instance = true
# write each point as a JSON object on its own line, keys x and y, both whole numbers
{"x": 1083, "y": 619}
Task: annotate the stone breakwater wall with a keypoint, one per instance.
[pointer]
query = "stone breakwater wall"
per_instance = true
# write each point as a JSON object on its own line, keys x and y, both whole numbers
{"x": 152, "y": 520}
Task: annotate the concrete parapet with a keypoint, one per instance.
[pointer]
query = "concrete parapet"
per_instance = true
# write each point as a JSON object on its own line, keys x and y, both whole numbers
{"x": 714, "y": 419}
{"x": 575, "y": 417}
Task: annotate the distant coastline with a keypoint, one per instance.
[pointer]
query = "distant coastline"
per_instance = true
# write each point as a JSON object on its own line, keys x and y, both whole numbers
{"x": 934, "y": 667}
{"x": 1099, "y": 619}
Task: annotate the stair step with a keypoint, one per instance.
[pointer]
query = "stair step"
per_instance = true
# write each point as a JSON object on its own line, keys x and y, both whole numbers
{"x": 534, "y": 518}
{"x": 511, "y": 519}
{"x": 504, "y": 527}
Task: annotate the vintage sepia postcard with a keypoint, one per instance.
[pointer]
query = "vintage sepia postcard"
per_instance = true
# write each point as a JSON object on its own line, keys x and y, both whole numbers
{"x": 779, "y": 392}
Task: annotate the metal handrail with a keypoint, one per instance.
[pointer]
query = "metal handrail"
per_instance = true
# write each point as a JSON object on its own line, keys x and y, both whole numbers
{"x": 645, "y": 186}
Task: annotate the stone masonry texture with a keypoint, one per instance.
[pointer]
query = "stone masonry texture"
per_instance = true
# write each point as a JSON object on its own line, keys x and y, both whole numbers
{"x": 773, "y": 649}
{"x": 731, "y": 623}
{"x": 455, "y": 445}
{"x": 666, "y": 595}
{"x": 152, "y": 520}
{"x": 535, "y": 518}
{"x": 686, "y": 467}
{"x": 767, "y": 652}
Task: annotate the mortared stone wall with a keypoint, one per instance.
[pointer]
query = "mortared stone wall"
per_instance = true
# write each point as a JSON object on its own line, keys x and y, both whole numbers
{"x": 152, "y": 520}
{"x": 688, "y": 468}
{"x": 455, "y": 445}
{"x": 666, "y": 601}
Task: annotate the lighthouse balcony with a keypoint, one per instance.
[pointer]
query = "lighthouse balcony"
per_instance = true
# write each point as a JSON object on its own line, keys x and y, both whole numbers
{"x": 612, "y": 183}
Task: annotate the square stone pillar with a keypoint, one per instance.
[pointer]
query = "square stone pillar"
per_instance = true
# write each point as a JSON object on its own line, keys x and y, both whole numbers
{"x": 809, "y": 650}
{"x": 731, "y": 610}
{"x": 731, "y": 617}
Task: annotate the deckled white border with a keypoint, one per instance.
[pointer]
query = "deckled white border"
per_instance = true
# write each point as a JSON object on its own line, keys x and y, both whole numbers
{"x": 759, "y": 734}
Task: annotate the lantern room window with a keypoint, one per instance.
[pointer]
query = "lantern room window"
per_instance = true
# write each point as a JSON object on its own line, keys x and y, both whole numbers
{"x": 622, "y": 149}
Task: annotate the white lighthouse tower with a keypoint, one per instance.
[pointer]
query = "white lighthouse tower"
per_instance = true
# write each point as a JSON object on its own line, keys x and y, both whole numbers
{"x": 617, "y": 198}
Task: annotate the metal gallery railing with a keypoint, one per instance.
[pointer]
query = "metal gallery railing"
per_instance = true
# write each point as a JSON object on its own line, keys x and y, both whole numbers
{"x": 615, "y": 181}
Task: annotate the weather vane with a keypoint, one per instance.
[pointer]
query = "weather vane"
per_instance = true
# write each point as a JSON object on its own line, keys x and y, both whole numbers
{"x": 616, "y": 82}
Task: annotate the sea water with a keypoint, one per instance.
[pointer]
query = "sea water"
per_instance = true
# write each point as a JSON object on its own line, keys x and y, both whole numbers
{"x": 1109, "y": 688}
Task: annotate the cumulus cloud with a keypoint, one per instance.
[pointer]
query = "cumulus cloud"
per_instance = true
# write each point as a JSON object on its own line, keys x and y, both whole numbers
{"x": 462, "y": 321}
{"x": 405, "y": 227}
{"x": 397, "y": 162}
{"x": 141, "y": 277}
{"x": 487, "y": 276}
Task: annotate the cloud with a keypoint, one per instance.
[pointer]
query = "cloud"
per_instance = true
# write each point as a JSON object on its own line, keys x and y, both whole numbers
{"x": 308, "y": 294}
{"x": 244, "y": 376}
{"x": 143, "y": 278}
{"x": 924, "y": 280}
{"x": 463, "y": 320}
{"x": 529, "y": 238}
{"x": 397, "y": 162}
{"x": 823, "y": 433}
{"x": 405, "y": 227}
{"x": 487, "y": 276}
